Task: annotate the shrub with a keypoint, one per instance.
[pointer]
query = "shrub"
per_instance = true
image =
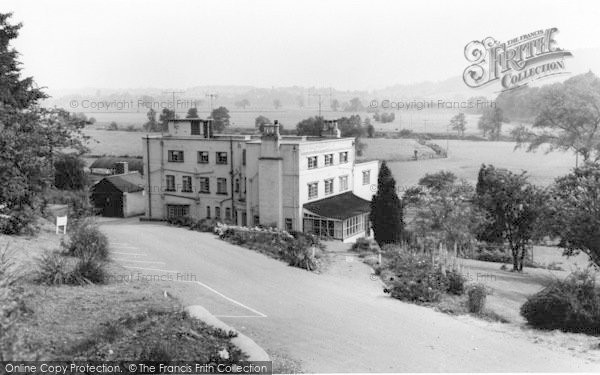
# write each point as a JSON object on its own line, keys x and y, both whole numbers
{"x": 418, "y": 279}
{"x": 17, "y": 219}
{"x": 571, "y": 305}
{"x": 54, "y": 269}
{"x": 78, "y": 201}
{"x": 476, "y": 301}
{"x": 296, "y": 248}
{"x": 87, "y": 242}
{"x": 456, "y": 282}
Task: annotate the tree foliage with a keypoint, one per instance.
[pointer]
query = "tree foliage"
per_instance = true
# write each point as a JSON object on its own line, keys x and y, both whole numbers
{"x": 490, "y": 123}
{"x": 575, "y": 211}
{"x": 513, "y": 208}
{"x": 443, "y": 210}
{"x": 192, "y": 113}
{"x": 260, "y": 122}
{"x": 69, "y": 172}
{"x": 569, "y": 118}
{"x": 458, "y": 123}
{"x": 31, "y": 137}
{"x": 152, "y": 125}
{"x": 220, "y": 118}
{"x": 386, "y": 209}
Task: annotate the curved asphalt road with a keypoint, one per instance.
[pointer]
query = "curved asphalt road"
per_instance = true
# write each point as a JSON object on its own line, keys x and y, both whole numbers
{"x": 329, "y": 323}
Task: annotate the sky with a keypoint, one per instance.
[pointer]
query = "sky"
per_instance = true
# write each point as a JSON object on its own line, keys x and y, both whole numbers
{"x": 348, "y": 45}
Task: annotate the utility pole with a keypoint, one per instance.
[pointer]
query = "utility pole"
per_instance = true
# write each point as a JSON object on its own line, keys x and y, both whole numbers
{"x": 320, "y": 96}
{"x": 173, "y": 93}
{"x": 211, "y": 96}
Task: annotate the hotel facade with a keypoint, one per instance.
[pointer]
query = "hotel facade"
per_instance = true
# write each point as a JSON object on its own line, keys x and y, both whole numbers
{"x": 297, "y": 183}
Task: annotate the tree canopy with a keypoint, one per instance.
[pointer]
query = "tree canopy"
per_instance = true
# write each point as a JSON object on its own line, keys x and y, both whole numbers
{"x": 386, "y": 209}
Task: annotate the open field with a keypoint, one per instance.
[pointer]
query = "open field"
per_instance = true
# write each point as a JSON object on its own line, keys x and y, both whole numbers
{"x": 424, "y": 121}
{"x": 465, "y": 158}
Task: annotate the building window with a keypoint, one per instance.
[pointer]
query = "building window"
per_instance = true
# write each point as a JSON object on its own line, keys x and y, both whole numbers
{"x": 176, "y": 156}
{"x": 366, "y": 177}
{"x": 312, "y": 162}
{"x": 237, "y": 185}
{"x": 329, "y": 186}
{"x": 221, "y": 185}
{"x": 227, "y": 213}
{"x": 203, "y": 157}
{"x": 208, "y": 212}
{"x": 288, "y": 224}
{"x": 256, "y": 220}
{"x": 313, "y": 190}
{"x": 353, "y": 225}
{"x": 328, "y": 159}
{"x": 195, "y": 127}
{"x": 344, "y": 157}
{"x": 186, "y": 182}
{"x": 221, "y": 158}
{"x": 244, "y": 219}
{"x": 204, "y": 185}
{"x": 177, "y": 210}
{"x": 244, "y": 157}
{"x": 218, "y": 212}
{"x": 245, "y": 184}
{"x": 343, "y": 183}
{"x": 170, "y": 182}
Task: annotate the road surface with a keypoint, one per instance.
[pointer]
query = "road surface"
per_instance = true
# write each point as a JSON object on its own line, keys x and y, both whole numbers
{"x": 328, "y": 322}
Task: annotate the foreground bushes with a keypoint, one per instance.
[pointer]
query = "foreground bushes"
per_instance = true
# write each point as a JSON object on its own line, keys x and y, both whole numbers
{"x": 86, "y": 242}
{"x": 571, "y": 305}
{"x": 418, "y": 279}
{"x": 82, "y": 261}
{"x": 294, "y": 248}
{"x": 200, "y": 225}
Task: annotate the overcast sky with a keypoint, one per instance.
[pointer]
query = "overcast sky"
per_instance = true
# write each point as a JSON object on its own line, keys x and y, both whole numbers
{"x": 343, "y": 44}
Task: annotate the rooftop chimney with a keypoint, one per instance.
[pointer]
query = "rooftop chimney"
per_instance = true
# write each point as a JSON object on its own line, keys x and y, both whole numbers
{"x": 121, "y": 167}
{"x": 330, "y": 129}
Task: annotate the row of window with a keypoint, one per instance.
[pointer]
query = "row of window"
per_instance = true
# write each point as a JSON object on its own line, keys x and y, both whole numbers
{"x": 313, "y": 161}
{"x": 176, "y": 156}
{"x": 313, "y": 187}
{"x": 181, "y": 210}
{"x": 204, "y": 182}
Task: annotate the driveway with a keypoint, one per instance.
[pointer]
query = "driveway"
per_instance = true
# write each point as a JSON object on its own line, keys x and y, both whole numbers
{"x": 330, "y": 322}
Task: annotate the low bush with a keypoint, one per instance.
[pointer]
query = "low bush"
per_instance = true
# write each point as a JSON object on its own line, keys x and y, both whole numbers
{"x": 56, "y": 269}
{"x": 476, "y": 298}
{"x": 295, "y": 248}
{"x": 86, "y": 242}
{"x": 418, "y": 279}
{"x": 571, "y": 305}
{"x": 17, "y": 219}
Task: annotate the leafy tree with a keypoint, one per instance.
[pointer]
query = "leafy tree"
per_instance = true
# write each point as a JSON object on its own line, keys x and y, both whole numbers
{"x": 31, "y": 136}
{"x": 113, "y": 126}
{"x": 192, "y": 113}
{"x": 458, "y": 123}
{"x": 443, "y": 209}
{"x": 335, "y": 105}
{"x": 260, "y": 122}
{"x": 242, "y": 103}
{"x": 355, "y": 105}
{"x": 386, "y": 209}
{"x": 166, "y": 115}
{"x": 569, "y": 118}
{"x": 370, "y": 127}
{"x": 220, "y": 118}
{"x": 151, "y": 125}
{"x": 69, "y": 172}
{"x": 312, "y": 126}
{"x": 490, "y": 123}
{"x": 513, "y": 207}
{"x": 277, "y": 103}
{"x": 574, "y": 212}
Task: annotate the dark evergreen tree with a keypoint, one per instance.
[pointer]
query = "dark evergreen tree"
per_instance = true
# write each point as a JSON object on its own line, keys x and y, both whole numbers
{"x": 386, "y": 209}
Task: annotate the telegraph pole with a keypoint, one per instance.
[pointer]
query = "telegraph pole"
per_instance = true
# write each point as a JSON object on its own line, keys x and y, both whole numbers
{"x": 211, "y": 96}
{"x": 320, "y": 96}
{"x": 173, "y": 93}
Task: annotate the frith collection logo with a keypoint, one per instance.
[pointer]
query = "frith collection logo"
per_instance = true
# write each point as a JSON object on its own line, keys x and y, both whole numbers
{"x": 515, "y": 63}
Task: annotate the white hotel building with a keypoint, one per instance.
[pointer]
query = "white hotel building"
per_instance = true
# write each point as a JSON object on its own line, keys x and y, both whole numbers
{"x": 310, "y": 184}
